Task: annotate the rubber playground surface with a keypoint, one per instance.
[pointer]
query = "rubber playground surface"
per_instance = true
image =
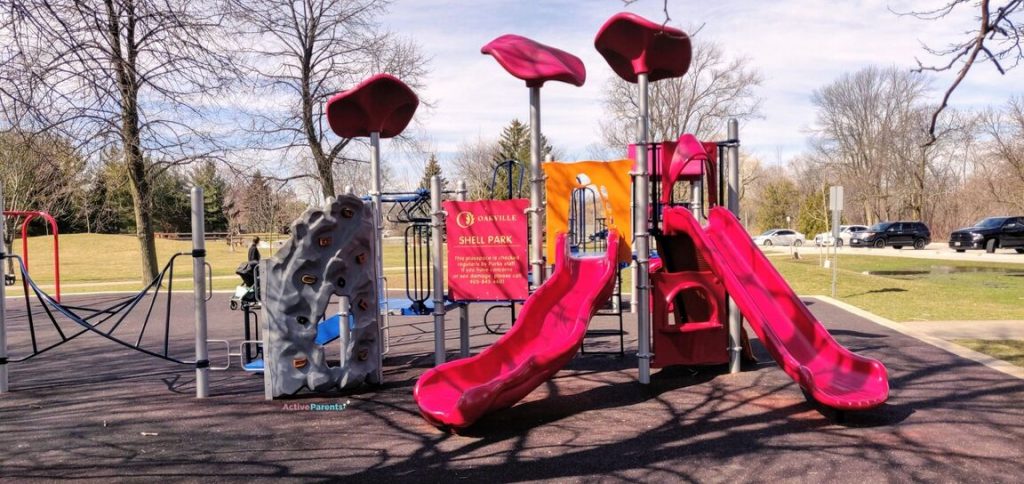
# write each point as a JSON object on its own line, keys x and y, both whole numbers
{"x": 93, "y": 410}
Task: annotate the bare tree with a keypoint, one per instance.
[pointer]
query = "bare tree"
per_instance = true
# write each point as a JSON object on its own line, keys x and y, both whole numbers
{"x": 996, "y": 39}
{"x": 131, "y": 74}
{"x": 714, "y": 89}
{"x": 1004, "y": 164}
{"x": 302, "y": 53}
{"x": 474, "y": 163}
{"x": 865, "y": 124}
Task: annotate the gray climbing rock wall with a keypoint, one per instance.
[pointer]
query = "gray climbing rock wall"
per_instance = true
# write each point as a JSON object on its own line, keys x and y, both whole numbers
{"x": 331, "y": 253}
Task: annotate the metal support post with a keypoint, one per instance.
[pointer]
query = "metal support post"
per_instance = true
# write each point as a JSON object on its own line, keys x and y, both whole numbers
{"x": 735, "y": 318}
{"x": 460, "y": 195}
{"x": 643, "y": 249}
{"x": 3, "y": 294}
{"x": 344, "y": 331}
{"x": 375, "y": 192}
{"x": 378, "y": 225}
{"x": 199, "y": 292}
{"x": 464, "y": 330}
{"x": 536, "y": 188}
{"x": 697, "y": 199}
{"x": 438, "y": 256}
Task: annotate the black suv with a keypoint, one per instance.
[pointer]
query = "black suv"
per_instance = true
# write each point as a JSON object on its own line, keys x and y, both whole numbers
{"x": 896, "y": 234}
{"x": 990, "y": 234}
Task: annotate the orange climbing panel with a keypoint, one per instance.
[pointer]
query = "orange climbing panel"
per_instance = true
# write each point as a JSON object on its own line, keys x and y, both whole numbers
{"x": 610, "y": 179}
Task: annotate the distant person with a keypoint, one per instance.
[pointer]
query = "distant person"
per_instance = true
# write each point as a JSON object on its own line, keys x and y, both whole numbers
{"x": 254, "y": 250}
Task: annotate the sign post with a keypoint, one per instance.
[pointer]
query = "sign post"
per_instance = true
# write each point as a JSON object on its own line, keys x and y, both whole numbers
{"x": 835, "y": 204}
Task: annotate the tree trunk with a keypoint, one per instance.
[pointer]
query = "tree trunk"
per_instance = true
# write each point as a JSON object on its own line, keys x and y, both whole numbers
{"x": 123, "y": 58}
{"x": 143, "y": 218}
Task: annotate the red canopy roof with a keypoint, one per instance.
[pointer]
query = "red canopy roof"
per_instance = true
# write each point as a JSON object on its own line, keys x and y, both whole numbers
{"x": 381, "y": 104}
{"x": 633, "y": 45}
{"x": 534, "y": 62}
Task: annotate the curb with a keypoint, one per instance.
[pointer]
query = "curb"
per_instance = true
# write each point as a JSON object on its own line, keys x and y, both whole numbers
{"x": 963, "y": 352}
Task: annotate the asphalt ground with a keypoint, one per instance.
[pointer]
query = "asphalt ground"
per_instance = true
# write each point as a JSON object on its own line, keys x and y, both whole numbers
{"x": 93, "y": 410}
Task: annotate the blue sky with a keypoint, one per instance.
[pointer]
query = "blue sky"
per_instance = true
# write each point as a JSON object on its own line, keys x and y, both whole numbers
{"x": 798, "y": 45}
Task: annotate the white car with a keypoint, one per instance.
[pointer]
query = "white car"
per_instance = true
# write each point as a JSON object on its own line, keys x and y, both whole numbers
{"x": 780, "y": 237}
{"x": 846, "y": 232}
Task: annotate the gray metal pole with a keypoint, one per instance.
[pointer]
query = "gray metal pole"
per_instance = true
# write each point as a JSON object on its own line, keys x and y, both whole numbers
{"x": 536, "y": 189}
{"x": 836, "y": 220}
{"x": 3, "y": 295}
{"x": 344, "y": 331}
{"x": 378, "y": 224}
{"x": 375, "y": 192}
{"x": 735, "y": 318}
{"x": 643, "y": 249}
{"x": 697, "y": 199}
{"x": 460, "y": 195}
{"x": 199, "y": 292}
{"x": 438, "y": 256}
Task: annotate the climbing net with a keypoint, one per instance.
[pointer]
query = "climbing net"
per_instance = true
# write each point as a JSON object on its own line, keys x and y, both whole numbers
{"x": 104, "y": 321}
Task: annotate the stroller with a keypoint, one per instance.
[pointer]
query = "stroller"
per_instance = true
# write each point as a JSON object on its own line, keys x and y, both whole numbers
{"x": 245, "y": 293}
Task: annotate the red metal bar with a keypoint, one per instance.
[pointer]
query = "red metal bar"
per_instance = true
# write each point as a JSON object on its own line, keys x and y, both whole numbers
{"x": 29, "y": 215}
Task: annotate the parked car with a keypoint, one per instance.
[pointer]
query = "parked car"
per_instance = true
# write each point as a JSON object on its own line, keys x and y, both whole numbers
{"x": 780, "y": 237}
{"x": 990, "y": 234}
{"x": 895, "y": 234}
{"x": 846, "y": 232}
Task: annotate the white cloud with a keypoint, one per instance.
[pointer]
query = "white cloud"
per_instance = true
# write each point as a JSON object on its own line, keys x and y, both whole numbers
{"x": 799, "y": 45}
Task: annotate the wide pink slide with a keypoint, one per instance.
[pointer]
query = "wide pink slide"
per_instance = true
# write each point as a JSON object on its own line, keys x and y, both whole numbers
{"x": 828, "y": 372}
{"x": 546, "y": 335}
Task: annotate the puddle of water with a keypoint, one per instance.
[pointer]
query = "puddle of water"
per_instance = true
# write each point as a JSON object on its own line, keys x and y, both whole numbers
{"x": 945, "y": 270}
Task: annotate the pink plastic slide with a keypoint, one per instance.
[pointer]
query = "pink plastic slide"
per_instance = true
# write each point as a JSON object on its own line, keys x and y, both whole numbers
{"x": 825, "y": 370}
{"x": 546, "y": 335}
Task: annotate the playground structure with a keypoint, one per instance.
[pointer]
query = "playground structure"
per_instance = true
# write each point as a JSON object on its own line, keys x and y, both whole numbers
{"x": 689, "y": 303}
{"x": 89, "y": 320}
{"x": 28, "y": 216}
{"x": 692, "y": 297}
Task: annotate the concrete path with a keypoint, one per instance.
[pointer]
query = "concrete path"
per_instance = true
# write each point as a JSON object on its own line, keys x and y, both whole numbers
{"x": 1009, "y": 329}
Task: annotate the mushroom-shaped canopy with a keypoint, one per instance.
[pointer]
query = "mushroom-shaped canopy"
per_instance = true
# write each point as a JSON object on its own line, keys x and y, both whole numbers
{"x": 633, "y": 45}
{"x": 534, "y": 62}
{"x": 381, "y": 104}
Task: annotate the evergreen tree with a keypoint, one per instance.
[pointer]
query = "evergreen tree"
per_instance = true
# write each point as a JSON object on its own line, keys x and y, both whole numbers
{"x": 214, "y": 187}
{"x": 779, "y": 199}
{"x": 433, "y": 168}
{"x": 514, "y": 144}
{"x": 813, "y": 218}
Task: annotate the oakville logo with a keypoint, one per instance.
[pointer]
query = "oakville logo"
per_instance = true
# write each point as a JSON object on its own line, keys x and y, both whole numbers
{"x": 465, "y": 219}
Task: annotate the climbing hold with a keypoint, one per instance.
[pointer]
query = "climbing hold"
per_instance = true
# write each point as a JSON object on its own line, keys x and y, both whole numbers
{"x": 361, "y": 258}
{"x": 299, "y": 363}
{"x": 347, "y": 212}
{"x": 309, "y": 279}
{"x": 324, "y": 241}
{"x": 362, "y": 305}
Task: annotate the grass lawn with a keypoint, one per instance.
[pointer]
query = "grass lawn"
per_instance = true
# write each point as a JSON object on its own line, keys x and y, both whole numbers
{"x": 94, "y": 262}
{"x": 1010, "y": 350}
{"x": 945, "y": 294}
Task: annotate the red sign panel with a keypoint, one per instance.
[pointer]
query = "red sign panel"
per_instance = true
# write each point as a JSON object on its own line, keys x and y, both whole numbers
{"x": 487, "y": 244}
